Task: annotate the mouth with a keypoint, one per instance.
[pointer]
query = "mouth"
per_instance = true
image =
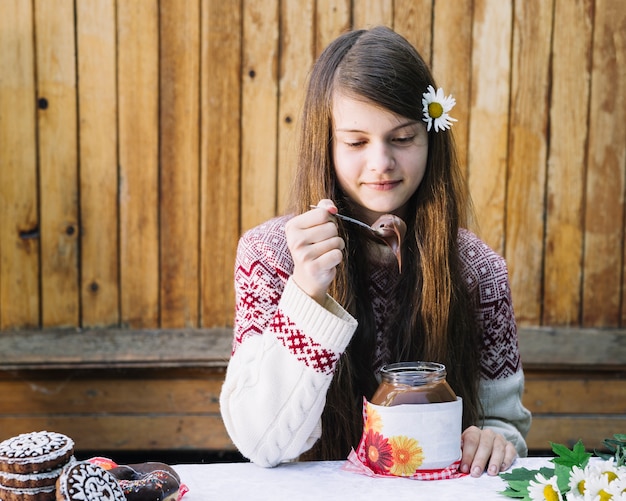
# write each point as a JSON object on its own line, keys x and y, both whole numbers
{"x": 382, "y": 185}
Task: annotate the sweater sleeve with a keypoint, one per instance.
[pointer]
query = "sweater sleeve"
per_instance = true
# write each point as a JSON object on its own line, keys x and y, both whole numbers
{"x": 284, "y": 356}
{"x": 502, "y": 378}
{"x": 503, "y": 409}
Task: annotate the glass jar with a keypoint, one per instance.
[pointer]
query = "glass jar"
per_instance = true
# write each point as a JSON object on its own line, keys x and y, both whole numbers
{"x": 413, "y": 383}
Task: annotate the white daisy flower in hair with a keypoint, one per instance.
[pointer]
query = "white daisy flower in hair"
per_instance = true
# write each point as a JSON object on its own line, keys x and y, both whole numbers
{"x": 436, "y": 107}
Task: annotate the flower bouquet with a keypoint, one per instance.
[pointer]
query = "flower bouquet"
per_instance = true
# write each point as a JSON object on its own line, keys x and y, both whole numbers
{"x": 575, "y": 475}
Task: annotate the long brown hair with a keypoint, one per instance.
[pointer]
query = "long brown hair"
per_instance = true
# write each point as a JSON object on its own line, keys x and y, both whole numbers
{"x": 435, "y": 319}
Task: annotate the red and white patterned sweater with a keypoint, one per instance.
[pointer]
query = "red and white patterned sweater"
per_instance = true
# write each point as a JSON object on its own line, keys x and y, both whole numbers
{"x": 286, "y": 346}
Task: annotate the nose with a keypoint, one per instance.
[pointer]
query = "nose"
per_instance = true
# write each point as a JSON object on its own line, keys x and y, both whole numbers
{"x": 380, "y": 157}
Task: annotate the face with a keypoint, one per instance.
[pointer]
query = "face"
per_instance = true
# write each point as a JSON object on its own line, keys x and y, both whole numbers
{"x": 379, "y": 157}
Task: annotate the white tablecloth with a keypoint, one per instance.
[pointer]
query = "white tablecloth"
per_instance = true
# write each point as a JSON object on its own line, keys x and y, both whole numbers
{"x": 326, "y": 480}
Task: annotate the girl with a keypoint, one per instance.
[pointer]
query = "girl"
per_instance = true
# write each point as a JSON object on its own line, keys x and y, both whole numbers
{"x": 321, "y": 306}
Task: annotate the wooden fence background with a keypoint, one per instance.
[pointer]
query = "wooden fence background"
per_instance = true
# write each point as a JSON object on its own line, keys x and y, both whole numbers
{"x": 138, "y": 139}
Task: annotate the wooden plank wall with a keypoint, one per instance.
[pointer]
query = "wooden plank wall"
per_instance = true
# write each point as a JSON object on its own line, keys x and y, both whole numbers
{"x": 139, "y": 139}
{"x": 138, "y": 410}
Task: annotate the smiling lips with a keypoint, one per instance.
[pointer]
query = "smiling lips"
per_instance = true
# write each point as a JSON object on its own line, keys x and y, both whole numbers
{"x": 382, "y": 185}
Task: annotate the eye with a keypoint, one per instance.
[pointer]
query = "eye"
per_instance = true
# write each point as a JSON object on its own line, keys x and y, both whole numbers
{"x": 404, "y": 139}
{"x": 354, "y": 144}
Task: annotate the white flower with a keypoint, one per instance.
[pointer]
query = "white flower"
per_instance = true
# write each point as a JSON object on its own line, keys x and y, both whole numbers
{"x": 609, "y": 469}
{"x": 616, "y": 476}
{"x": 597, "y": 487}
{"x": 544, "y": 489}
{"x": 618, "y": 489}
{"x": 598, "y": 481}
{"x": 577, "y": 482}
{"x": 436, "y": 107}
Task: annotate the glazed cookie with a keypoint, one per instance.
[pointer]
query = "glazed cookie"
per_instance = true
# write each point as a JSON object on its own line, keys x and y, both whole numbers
{"x": 31, "y": 463}
{"x": 84, "y": 481}
{"x": 29, "y": 480}
{"x": 35, "y": 452}
{"x": 27, "y": 494}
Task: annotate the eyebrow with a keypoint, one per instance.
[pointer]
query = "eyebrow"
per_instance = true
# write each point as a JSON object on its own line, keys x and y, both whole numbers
{"x": 400, "y": 126}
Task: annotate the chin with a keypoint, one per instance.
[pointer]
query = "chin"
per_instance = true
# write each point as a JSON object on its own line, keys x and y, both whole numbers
{"x": 385, "y": 208}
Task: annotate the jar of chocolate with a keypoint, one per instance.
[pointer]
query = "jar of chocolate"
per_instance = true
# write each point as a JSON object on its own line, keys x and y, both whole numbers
{"x": 413, "y": 383}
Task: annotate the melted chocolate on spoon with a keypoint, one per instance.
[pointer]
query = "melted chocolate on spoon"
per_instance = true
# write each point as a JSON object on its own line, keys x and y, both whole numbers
{"x": 392, "y": 230}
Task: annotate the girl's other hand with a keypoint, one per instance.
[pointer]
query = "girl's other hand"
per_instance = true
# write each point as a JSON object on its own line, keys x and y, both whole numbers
{"x": 316, "y": 249}
{"x": 485, "y": 449}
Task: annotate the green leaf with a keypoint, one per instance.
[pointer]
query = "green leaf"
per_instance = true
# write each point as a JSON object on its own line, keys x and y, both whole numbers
{"x": 519, "y": 485}
{"x": 616, "y": 447}
{"x": 517, "y": 489}
{"x": 516, "y": 494}
{"x": 525, "y": 474}
{"x": 562, "y": 474}
{"x": 569, "y": 458}
{"x": 518, "y": 480}
{"x": 547, "y": 472}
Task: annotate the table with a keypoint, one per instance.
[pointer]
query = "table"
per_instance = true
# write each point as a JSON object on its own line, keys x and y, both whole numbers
{"x": 326, "y": 480}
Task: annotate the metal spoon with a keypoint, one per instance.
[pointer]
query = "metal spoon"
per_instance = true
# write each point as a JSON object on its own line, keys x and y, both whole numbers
{"x": 349, "y": 219}
{"x": 389, "y": 228}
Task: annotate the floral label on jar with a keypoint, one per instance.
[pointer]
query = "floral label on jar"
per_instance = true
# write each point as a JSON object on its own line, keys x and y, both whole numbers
{"x": 414, "y": 441}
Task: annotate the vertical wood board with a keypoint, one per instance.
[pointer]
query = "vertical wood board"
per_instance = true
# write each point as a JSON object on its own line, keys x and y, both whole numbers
{"x": 296, "y": 59}
{"x": 333, "y": 17}
{"x": 97, "y": 105}
{"x": 488, "y": 127}
{"x": 19, "y": 219}
{"x": 606, "y": 160}
{"x": 527, "y": 155}
{"x": 259, "y": 111}
{"x": 58, "y": 161}
{"x": 571, "y": 49}
{"x": 138, "y": 125}
{"x": 370, "y": 13}
{"x": 179, "y": 162}
{"x": 414, "y": 20}
{"x": 220, "y": 161}
{"x": 451, "y": 65}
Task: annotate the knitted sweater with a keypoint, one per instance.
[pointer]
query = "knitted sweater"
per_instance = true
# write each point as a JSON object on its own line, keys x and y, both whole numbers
{"x": 286, "y": 347}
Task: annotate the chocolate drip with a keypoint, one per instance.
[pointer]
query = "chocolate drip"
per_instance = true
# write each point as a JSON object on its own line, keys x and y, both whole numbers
{"x": 391, "y": 229}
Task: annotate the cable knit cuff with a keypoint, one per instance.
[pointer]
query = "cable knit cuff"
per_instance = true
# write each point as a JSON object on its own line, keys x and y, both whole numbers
{"x": 330, "y": 325}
